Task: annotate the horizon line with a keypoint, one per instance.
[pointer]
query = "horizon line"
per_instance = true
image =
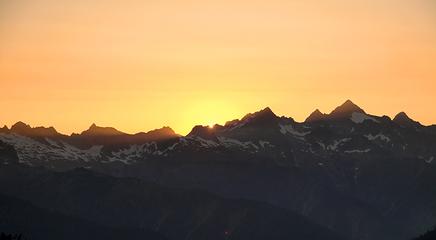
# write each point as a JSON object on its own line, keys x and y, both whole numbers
{"x": 201, "y": 125}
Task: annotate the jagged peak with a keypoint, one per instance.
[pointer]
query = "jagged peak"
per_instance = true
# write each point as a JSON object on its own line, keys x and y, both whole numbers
{"x": 95, "y": 130}
{"x": 403, "y": 119}
{"x": 345, "y": 110}
{"x": 20, "y": 125}
{"x": 205, "y": 132}
{"x": 163, "y": 130}
{"x": 316, "y": 115}
{"x": 402, "y": 115}
{"x": 157, "y": 134}
{"x": 265, "y": 113}
{"x": 4, "y": 129}
{"x": 26, "y": 130}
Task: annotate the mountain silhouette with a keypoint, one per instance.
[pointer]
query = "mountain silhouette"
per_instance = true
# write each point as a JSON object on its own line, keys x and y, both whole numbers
{"x": 4, "y": 129}
{"x": 111, "y": 137}
{"x": 25, "y": 130}
{"x": 263, "y": 115}
{"x": 363, "y": 176}
{"x": 316, "y": 116}
{"x": 403, "y": 120}
{"x": 95, "y": 130}
{"x": 345, "y": 110}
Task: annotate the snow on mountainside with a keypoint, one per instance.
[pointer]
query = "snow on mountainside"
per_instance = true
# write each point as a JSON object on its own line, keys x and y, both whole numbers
{"x": 344, "y": 131}
{"x": 348, "y": 170}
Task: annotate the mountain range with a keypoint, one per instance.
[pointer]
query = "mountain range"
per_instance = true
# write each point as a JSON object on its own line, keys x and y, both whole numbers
{"x": 347, "y": 174}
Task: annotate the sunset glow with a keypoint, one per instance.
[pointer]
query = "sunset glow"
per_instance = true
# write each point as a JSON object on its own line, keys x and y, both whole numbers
{"x": 139, "y": 65}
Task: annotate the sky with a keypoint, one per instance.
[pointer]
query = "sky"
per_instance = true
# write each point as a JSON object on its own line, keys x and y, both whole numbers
{"x": 139, "y": 65}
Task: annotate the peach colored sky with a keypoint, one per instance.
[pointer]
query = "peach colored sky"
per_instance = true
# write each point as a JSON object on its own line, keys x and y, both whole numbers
{"x": 139, "y": 65}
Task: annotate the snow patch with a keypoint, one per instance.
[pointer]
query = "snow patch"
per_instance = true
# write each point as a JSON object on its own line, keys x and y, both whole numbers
{"x": 206, "y": 143}
{"x": 361, "y": 117}
{"x": 51, "y": 142}
{"x": 263, "y": 144}
{"x": 337, "y": 143}
{"x": 30, "y": 150}
{"x": 322, "y": 145}
{"x": 358, "y": 151}
{"x": 378, "y": 136}
{"x": 230, "y": 142}
{"x": 284, "y": 129}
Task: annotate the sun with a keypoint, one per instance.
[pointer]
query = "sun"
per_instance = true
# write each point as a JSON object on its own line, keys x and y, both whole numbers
{"x": 208, "y": 112}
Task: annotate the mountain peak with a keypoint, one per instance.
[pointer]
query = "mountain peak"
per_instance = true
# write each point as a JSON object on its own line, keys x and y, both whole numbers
{"x": 95, "y": 130}
{"x": 264, "y": 114}
{"x": 26, "y": 130}
{"x": 345, "y": 110}
{"x": 402, "y": 115}
{"x": 4, "y": 129}
{"x": 202, "y": 131}
{"x": 404, "y": 120}
{"x": 317, "y": 115}
{"x": 161, "y": 133}
{"x": 20, "y": 126}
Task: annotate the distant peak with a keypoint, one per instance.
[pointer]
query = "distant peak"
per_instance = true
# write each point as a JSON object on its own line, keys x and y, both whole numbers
{"x": 26, "y": 130}
{"x": 202, "y": 131}
{"x": 316, "y": 115}
{"x": 20, "y": 125}
{"x": 349, "y": 102}
{"x": 166, "y": 128}
{"x": 404, "y": 120}
{"x": 402, "y": 115}
{"x": 4, "y": 129}
{"x": 267, "y": 109}
{"x": 265, "y": 113}
{"x": 157, "y": 134}
{"x": 163, "y": 130}
{"x": 349, "y": 106}
{"x": 95, "y": 130}
{"x": 346, "y": 109}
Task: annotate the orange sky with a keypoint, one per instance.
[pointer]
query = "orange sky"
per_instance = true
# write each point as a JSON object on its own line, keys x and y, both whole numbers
{"x": 139, "y": 65}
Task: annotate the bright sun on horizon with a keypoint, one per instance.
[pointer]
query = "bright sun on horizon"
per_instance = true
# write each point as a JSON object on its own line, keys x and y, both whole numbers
{"x": 141, "y": 65}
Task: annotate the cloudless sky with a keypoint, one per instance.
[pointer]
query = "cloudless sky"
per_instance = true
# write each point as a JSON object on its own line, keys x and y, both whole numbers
{"x": 138, "y": 65}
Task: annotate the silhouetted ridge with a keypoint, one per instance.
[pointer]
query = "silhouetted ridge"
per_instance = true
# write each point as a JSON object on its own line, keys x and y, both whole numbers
{"x": 316, "y": 116}
{"x": 262, "y": 118}
{"x": 403, "y": 120}
{"x": 20, "y": 126}
{"x": 346, "y": 110}
{"x": 265, "y": 114}
{"x": 158, "y": 134}
{"x": 25, "y": 130}
{"x": 202, "y": 131}
{"x": 109, "y": 136}
{"x": 95, "y": 130}
{"x": 4, "y": 129}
